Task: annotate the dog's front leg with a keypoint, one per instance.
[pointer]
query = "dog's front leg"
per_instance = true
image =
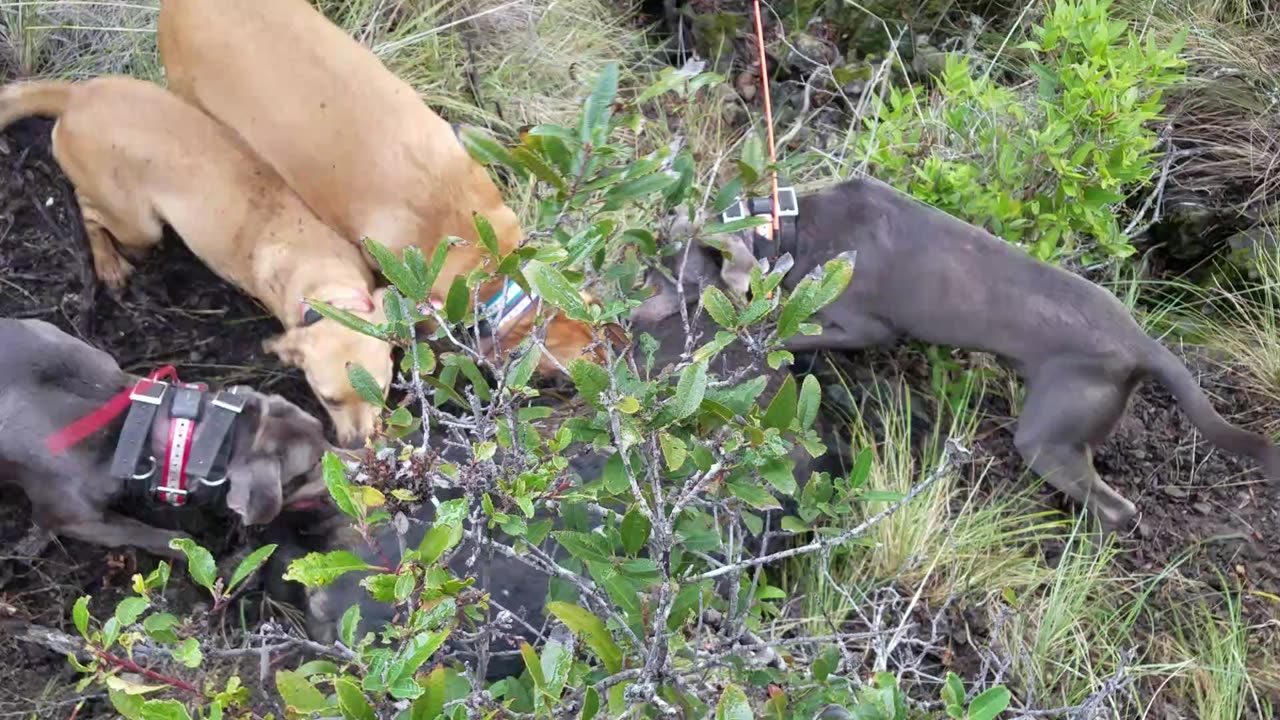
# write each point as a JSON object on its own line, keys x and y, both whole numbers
{"x": 853, "y": 333}
{"x": 120, "y": 531}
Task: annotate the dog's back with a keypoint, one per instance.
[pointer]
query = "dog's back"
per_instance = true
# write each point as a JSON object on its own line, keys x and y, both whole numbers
{"x": 48, "y": 379}
{"x": 944, "y": 281}
{"x": 355, "y": 141}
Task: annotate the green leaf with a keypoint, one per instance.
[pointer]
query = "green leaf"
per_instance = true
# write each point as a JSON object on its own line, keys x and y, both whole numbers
{"x": 719, "y": 307}
{"x": 488, "y": 238}
{"x": 810, "y": 401}
{"x": 129, "y": 706}
{"x": 752, "y": 162}
{"x": 80, "y": 615}
{"x": 549, "y": 284}
{"x": 163, "y": 710}
{"x": 557, "y": 660}
{"x": 522, "y": 371}
{"x": 486, "y": 150}
{"x": 756, "y": 497}
{"x": 593, "y": 631}
{"x": 615, "y": 475}
{"x": 690, "y": 390}
{"x": 351, "y": 701}
{"x": 130, "y": 609}
{"x": 782, "y": 409}
{"x": 540, "y": 168}
{"x": 455, "y": 304}
{"x": 953, "y": 690}
{"x": 733, "y": 705}
{"x": 249, "y": 564}
{"x": 590, "y": 704}
{"x": 159, "y": 626}
{"x": 595, "y": 116}
{"x": 364, "y": 384}
{"x": 989, "y": 704}
{"x": 395, "y": 270}
{"x": 580, "y": 545}
{"x": 335, "y": 479}
{"x": 778, "y": 358}
{"x": 299, "y": 695}
{"x": 417, "y": 264}
{"x": 673, "y": 451}
{"x": 735, "y": 226}
{"x": 534, "y": 666}
{"x": 438, "y": 256}
{"x": 188, "y": 653}
{"x": 346, "y": 319}
{"x": 438, "y": 540}
{"x": 200, "y": 563}
{"x": 320, "y": 569}
{"x": 826, "y": 663}
{"x": 349, "y": 625}
{"x": 726, "y": 196}
{"x": 637, "y": 188}
{"x": 635, "y": 531}
{"x": 590, "y": 379}
{"x": 861, "y": 471}
{"x": 780, "y": 472}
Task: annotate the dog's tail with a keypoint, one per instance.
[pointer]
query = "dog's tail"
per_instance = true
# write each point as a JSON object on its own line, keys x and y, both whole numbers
{"x": 25, "y": 99}
{"x": 1174, "y": 375}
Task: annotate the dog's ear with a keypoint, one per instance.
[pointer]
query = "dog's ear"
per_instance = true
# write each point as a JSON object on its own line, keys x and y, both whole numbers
{"x": 285, "y": 346}
{"x": 288, "y": 432}
{"x": 616, "y": 336}
{"x": 664, "y": 303}
{"x": 255, "y": 490}
{"x": 287, "y": 442}
{"x": 735, "y": 273}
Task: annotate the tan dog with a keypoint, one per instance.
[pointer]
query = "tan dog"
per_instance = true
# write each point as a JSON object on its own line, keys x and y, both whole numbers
{"x": 350, "y": 137}
{"x": 141, "y": 158}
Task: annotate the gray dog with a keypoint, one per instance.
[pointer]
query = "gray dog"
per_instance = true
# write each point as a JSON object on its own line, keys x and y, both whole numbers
{"x": 926, "y": 275}
{"x": 48, "y": 380}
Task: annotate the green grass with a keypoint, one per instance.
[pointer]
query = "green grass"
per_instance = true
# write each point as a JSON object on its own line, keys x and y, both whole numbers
{"x": 502, "y": 63}
{"x": 1219, "y": 661}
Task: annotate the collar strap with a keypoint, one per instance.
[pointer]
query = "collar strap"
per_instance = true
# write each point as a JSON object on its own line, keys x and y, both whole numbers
{"x": 504, "y": 308}
{"x": 310, "y": 316}
{"x": 197, "y": 449}
{"x": 766, "y": 246}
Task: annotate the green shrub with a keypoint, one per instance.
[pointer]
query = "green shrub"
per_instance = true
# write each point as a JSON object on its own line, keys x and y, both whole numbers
{"x": 1046, "y": 170}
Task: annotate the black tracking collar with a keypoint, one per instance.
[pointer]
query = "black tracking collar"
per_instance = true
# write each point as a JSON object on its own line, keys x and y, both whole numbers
{"x": 198, "y": 449}
{"x": 783, "y": 241}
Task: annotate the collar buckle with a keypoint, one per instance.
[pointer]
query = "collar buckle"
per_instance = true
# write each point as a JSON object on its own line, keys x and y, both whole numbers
{"x": 149, "y": 394}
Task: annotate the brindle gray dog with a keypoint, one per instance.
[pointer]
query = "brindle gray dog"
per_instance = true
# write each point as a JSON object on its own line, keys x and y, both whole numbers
{"x": 49, "y": 379}
{"x": 926, "y": 275}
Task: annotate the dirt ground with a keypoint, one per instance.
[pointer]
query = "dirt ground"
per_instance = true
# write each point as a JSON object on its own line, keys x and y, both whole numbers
{"x": 1222, "y": 525}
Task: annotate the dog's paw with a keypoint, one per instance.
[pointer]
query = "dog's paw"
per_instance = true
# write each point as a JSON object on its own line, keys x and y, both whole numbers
{"x": 113, "y": 270}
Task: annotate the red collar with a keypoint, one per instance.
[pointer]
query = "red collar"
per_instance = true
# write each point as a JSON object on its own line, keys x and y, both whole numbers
{"x": 75, "y": 433}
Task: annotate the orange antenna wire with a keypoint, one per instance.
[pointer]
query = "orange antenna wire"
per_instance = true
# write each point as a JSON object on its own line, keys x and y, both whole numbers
{"x": 768, "y": 115}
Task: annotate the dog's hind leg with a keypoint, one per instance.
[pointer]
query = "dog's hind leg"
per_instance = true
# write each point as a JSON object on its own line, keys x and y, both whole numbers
{"x": 1069, "y": 408}
{"x": 108, "y": 233}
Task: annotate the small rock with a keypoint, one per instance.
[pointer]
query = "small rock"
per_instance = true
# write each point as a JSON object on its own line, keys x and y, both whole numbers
{"x": 746, "y": 85}
{"x": 1175, "y": 491}
{"x": 1203, "y": 508}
